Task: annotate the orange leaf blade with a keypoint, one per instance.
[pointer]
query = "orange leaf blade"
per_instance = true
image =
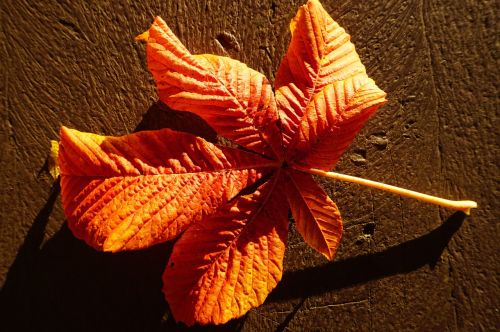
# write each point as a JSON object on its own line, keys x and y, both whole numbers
{"x": 130, "y": 192}
{"x": 228, "y": 264}
{"x": 320, "y": 57}
{"x": 332, "y": 120}
{"x": 320, "y": 51}
{"x": 316, "y": 216}
{"x": 236, "y": 101}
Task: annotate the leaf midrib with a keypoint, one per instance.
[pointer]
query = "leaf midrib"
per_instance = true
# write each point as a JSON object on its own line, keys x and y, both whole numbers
{"x": 325, "y": 242}
{"x": 275, "y": 165}
{"x": 251, "y": 220}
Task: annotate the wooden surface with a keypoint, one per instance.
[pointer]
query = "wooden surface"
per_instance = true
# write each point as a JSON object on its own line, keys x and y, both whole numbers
{"x": 402, "y": 265}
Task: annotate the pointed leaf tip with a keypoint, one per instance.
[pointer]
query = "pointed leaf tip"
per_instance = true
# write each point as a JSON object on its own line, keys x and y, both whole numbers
{"x": 143, "y": 36}
{"x": 52, "y": 159}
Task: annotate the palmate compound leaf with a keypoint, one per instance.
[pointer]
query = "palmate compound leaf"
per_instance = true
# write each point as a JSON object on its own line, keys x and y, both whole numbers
{"x": 130, "y": 192}
{"x": 137, "y": 190}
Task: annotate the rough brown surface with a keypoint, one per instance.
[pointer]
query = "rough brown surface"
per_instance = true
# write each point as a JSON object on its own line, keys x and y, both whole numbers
{"x": 403, "y": 265}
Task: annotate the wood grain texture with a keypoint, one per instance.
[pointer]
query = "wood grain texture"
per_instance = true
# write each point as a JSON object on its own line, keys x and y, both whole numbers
{"x": 402, "y": 265}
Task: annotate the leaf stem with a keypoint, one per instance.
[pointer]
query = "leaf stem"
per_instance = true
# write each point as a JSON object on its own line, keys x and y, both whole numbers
{"x": 464, "y": 206}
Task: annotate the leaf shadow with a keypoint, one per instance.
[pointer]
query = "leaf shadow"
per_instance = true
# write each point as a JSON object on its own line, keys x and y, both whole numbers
{"x": 64, "y": 285}
{"x": 403, "y": 258}
{"x": 160, "y": 116}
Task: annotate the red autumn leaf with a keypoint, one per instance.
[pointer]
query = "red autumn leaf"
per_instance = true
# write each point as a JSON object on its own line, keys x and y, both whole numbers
{"x": 134, "y": 191}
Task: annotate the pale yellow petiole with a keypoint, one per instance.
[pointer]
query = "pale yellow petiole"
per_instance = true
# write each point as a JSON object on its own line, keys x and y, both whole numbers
{"x": 464, "y": 206}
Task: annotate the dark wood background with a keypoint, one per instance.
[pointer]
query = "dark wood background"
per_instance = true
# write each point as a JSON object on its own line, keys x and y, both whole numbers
{"x": 402, "y": 265}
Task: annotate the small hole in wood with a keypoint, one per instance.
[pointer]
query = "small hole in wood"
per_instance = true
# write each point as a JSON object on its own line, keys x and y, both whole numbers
{"x": 369, "y": 229}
